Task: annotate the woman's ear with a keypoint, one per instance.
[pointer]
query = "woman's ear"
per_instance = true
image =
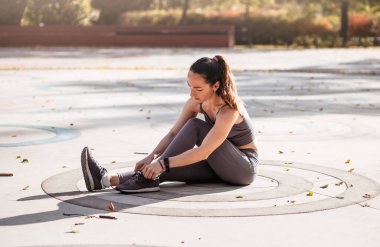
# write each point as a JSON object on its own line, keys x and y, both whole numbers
{"x": 216, "y": 86}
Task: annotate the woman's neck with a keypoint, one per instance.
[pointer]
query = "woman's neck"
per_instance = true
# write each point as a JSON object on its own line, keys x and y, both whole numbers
{"x": 215, "y": 102}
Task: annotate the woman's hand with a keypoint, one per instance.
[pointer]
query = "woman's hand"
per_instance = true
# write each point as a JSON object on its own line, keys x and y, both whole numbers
{"x": 153, "y": 170}
{"x": 144, "y": 162}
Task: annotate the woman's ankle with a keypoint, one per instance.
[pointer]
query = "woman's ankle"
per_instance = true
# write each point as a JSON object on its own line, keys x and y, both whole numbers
{"x": 115, "y": 180}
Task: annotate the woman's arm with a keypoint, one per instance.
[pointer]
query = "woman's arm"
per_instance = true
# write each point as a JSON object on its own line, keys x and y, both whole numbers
{"x": 215, "y": 137}
{"x": 189, "y": 111}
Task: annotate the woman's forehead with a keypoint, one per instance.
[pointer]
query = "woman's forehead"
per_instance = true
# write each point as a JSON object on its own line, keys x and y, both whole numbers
{"x": 195, "y": 78}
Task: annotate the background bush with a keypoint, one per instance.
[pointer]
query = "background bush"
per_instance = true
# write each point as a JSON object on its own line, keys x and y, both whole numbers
{"x": 308, "y": 23}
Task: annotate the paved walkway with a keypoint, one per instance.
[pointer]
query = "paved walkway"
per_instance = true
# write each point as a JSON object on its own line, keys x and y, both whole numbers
{"x": 316, "y": 114}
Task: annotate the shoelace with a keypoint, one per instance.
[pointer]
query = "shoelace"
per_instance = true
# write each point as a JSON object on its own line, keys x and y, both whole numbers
{"x": 138, "y": 176}
{"x": 103, "y": 171}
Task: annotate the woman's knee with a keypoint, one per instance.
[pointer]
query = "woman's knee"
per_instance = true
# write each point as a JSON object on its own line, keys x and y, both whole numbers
{"x": 198, "y": 124}
{"x": 195, "y": 122}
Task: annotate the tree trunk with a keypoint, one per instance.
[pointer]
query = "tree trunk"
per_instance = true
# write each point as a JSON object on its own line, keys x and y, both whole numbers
{"x": 185, "y": 8}
{"x": 344, "y": 21}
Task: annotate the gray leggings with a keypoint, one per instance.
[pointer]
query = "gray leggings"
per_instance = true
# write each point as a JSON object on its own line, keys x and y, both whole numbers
{"x": 226, "y": 164}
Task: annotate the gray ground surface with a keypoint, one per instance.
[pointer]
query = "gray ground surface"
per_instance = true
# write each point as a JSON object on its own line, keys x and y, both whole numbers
{"x": 313, "y": 110}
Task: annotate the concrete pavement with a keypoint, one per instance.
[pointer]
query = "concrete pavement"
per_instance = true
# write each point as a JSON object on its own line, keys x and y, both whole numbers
{"x": 313, "y": 111}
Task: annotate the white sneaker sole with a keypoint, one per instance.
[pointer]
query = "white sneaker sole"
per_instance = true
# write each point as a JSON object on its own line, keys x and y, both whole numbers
{"x": 86, "y": 171}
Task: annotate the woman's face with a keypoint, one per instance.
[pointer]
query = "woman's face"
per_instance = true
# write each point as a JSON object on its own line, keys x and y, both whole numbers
{"x": 200, "y": 90}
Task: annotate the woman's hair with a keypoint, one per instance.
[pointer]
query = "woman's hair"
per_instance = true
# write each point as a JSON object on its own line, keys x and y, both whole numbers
{"x": 214, "y": 70}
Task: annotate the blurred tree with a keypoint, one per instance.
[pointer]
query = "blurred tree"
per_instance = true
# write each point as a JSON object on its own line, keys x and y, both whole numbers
{"x": 57, "y": 12}
{"x": 185, "y": 9}
{"x": 344, "y": 21}
{"x": 11, "y": 11}
{"x": 111, "y": 10}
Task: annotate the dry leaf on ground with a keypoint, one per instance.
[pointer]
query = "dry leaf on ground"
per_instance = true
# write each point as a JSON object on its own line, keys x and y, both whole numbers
{"x": 367, "y": 196}
{"x": 111, "y": 207}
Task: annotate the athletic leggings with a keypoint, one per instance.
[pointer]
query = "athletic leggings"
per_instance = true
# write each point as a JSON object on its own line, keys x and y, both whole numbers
{"x": 226, "y": 164}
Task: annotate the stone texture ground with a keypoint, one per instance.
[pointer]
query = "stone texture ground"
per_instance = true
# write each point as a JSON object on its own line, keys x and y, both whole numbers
{"x": 313, "y": 110}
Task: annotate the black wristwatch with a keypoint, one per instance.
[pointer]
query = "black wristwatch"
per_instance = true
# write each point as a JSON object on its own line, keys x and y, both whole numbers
{"x": 166, "y": 162}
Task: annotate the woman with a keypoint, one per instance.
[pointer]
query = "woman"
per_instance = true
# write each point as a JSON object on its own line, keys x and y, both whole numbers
{"x": 225, "y": 150}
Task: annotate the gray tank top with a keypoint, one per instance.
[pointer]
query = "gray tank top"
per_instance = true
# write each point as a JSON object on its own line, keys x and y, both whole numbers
{"x": 241, "y": 133}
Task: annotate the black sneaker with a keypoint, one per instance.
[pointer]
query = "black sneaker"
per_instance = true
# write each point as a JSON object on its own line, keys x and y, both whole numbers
{"x": 92, "y": 171}
{"x": 138, "y": 183}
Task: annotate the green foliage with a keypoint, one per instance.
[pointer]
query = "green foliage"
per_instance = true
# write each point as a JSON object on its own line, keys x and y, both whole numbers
{"x": 57, "y": 12}
{"x": 11, "y": 11}
{"x": 310, "y": 23}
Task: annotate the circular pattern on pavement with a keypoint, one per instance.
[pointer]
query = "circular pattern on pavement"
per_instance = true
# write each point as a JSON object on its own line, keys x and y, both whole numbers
{"x": 41, "y": 134}
{"x": 280, "y": 188}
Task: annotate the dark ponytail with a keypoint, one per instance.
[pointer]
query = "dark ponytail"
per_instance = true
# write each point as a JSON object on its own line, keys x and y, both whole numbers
{"x": 214, "y": 70}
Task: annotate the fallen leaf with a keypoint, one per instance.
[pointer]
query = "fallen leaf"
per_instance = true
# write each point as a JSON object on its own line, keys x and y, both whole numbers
{"x": 324, "y": 186}
{"x": 111, "y": 207}
{"x": 321, "y": 109}
{"x": 286, "y": 169}
{"x": 310, "y": 193}
{"x": 25, "y": 188}
{"x": 18, "y": 157}
{"x": 239, "y": 196}
{"x": 280, "y": 152}
{"x": 14, "y": 136}
{"x": 351, "y": 170}
{"x": 25, "y": 161}
{"x": 142, "y": 109}
{"x": 6, "y": 174}
{"x": 340, "y": 197}
{"x": 340, "y": 183}
{"x": 113, "y": 162}
{"x": 347, "y": 162}
{"x": 107, "y": 217}
{"x": 367, "y": 196}
{"x": 292, "y": 201}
